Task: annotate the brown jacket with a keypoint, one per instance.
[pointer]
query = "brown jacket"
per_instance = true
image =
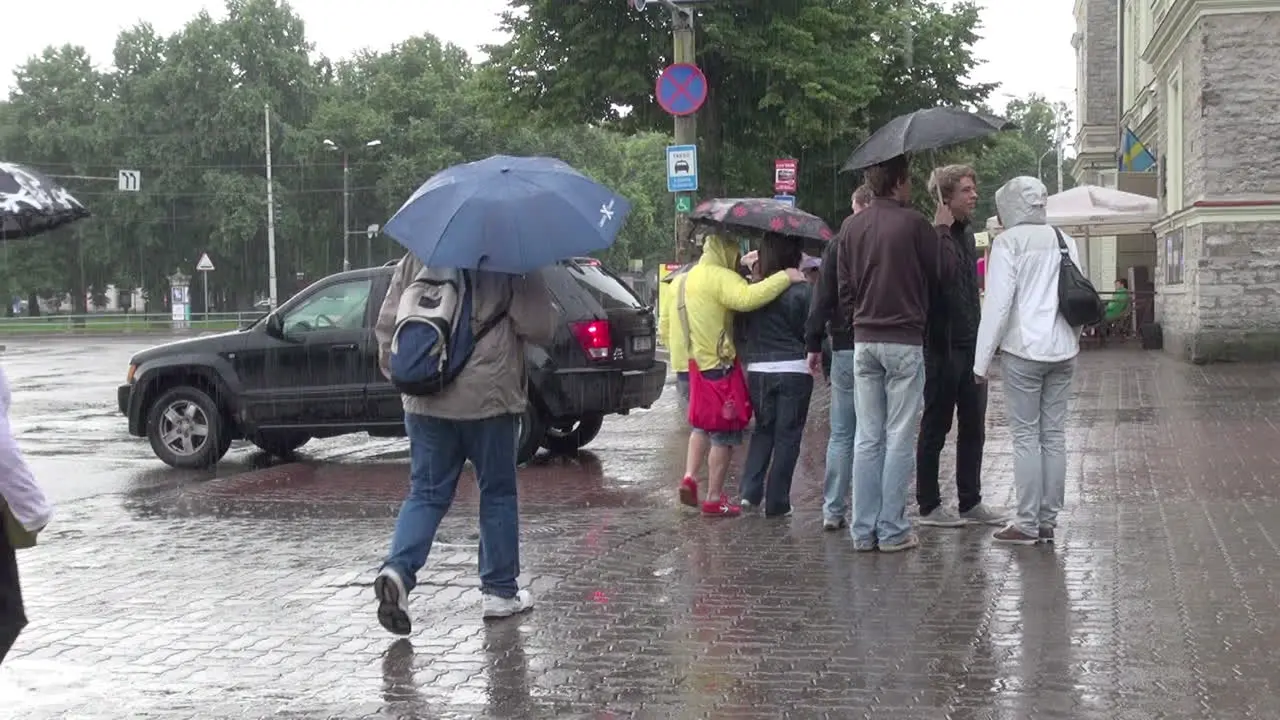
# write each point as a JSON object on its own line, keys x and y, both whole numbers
{"x": 493, "y": 381}
{"x": 889, "y": 258}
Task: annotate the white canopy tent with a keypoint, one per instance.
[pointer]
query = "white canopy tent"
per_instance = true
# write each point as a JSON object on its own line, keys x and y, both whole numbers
{"x": 1089, "y": 210}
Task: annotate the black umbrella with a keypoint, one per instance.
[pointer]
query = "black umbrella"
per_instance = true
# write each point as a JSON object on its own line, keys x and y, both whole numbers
{"x": 924, "y": 130}
{"x": 31, "y": 203}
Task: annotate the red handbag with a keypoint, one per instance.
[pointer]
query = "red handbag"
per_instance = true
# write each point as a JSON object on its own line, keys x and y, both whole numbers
{"x": 718, "y": 399}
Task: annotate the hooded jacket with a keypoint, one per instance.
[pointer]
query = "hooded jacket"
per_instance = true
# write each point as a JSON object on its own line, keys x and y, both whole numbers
{"x": 714, "y": 290}
{"x": 21, "y": 499}
{"x": 1020, "y": 313}
{"x": 956, "y": 307}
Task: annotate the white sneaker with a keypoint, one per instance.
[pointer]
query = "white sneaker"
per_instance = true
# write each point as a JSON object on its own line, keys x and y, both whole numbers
{"x": 495, "y": 607}
{"x": 393, "y": 602}
{"x": 942, "y": 517}
{"x": 984, "y": 514}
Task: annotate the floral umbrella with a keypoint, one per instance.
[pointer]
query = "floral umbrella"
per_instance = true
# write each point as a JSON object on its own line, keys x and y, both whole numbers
{"x": 762, "y": 215}
{"x": 31, "y": 203}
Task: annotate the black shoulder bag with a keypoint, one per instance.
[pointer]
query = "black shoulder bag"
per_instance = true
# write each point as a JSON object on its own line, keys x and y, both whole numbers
{"x": 1078, "y": 301}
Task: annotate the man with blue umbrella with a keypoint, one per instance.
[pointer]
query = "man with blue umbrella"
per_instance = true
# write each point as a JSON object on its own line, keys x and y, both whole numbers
{"x": 477, "y": 235}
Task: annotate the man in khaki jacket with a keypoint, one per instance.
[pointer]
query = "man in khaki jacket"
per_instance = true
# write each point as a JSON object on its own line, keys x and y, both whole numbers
{"x": 476, "y": 418}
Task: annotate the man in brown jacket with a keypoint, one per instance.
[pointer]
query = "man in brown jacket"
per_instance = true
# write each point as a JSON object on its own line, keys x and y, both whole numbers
{"x": 475, "y": 418}
{"x": 890, "y": 257}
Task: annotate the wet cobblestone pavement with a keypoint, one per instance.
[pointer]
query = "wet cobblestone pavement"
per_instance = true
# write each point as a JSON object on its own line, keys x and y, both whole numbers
{"x": 248, "y": 595}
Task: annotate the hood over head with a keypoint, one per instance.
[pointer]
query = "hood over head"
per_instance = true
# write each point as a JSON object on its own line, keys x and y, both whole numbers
{"x": 721, "y": 252}
{"x": 1022, "y": 201}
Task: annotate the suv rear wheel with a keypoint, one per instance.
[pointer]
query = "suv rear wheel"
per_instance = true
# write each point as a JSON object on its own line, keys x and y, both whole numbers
{"x": 565, "y": 437}
{"x": 186, "y": 429}
{"x": 533, "y": 430}
{"x": 280, "y": 443}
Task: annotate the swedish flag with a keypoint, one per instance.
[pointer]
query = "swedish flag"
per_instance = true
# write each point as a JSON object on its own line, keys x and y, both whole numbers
{"x": 1136, "y": 157}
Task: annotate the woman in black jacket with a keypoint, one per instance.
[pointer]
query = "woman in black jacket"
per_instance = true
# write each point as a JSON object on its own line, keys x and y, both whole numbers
{"x": 772, "y": 347}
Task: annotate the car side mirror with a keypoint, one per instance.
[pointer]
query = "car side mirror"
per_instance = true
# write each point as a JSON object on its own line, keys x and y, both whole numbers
{"x": 274, "y": 326}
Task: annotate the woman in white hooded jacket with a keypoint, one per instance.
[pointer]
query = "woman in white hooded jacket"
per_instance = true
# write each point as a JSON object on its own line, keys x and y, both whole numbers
{"x": 24, "y": 511}
{"x": 1038, "y": 352}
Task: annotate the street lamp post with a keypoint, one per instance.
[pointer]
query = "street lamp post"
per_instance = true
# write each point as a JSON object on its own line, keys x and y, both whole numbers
{"x": 346, "y": 198}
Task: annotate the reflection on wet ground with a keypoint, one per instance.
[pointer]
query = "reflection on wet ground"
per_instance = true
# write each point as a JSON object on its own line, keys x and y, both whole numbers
{"x": 245, "y": 592}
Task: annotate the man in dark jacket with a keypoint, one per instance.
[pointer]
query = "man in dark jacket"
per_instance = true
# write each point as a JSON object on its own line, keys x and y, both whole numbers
{"x": 890, "y": 256}
{"x": 950, "y": 389}
{"x": 825, "y": 322}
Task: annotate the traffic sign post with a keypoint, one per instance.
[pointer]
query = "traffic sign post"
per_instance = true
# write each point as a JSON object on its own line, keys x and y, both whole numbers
{"x": 682, "y": 168}
{"x": 129, "y": 180}
{"x": 784, "y": 175}
{"x": 681, "y": 89}
{"x": 205, "y": 266}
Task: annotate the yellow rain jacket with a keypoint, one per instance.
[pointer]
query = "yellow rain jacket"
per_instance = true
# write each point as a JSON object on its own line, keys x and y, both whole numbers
{"x": 713, "y": 293}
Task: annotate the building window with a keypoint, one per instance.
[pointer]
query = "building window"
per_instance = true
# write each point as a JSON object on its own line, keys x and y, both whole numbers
{"x": 1174, "y": 263}
{"x": 1173, "y": 201}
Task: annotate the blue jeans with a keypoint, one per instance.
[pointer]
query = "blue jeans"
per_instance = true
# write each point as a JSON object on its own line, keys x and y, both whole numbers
{"x": 844, "y": 422}
{"x": 438, "y": 449}
{"x": 888, "y": 398}
{"x": 781, "y": 402}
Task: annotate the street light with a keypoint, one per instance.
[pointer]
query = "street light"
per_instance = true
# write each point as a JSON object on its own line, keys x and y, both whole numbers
{"x": 346, "y": 197}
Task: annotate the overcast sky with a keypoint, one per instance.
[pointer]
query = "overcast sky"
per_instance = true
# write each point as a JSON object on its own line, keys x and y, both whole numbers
{"x": 1027, "y": 45}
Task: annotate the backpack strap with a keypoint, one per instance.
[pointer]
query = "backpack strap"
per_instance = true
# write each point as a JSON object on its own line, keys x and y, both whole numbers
{"x": 1062, "y": 244}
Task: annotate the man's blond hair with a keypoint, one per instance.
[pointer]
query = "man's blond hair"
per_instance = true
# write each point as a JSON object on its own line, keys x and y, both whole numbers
{"x": 947, "y": 178}
{"x": 863, "y": 196}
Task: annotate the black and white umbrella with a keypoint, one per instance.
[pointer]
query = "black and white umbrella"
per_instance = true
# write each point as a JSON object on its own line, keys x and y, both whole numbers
{"x": 31, "y": 203}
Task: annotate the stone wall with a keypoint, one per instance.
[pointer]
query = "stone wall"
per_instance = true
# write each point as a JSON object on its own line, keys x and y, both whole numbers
{"x": 1102, "y": 63}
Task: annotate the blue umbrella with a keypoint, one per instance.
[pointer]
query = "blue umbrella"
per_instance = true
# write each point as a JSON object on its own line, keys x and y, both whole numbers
{"x": 508, "y": 214}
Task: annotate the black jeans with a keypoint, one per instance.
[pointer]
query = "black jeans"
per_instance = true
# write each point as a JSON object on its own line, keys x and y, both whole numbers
{"x": 781, "y": 402}
{"x": 12, "y": 616}
{"x": 949, "y": 391}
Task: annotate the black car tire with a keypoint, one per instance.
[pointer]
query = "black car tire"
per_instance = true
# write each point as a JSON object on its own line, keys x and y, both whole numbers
{"x": 280, "y": 443}
{"x": 195, "y": 406}
{"x": 533, "y": 429}
{"x": 566, "y": 438}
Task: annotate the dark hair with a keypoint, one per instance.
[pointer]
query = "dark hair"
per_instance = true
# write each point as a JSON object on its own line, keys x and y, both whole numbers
{"x": 888, "y": 175}
{"x": 778, "y": 253}
{"x": 1124, "y": 282}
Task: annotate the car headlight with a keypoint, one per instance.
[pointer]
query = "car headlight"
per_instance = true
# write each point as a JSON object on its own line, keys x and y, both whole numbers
{"x": 128, "y": 378}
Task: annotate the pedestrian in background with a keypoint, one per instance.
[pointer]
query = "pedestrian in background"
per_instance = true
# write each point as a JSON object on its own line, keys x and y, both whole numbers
{"x": 773, "y": 349}
{"x": 24, "y": 512}
{"x": 1038, "y": 349}
{"x": 890, "y": 257}
{"x": 706, "y": 298}
{"x": 475, "y": 418}
{"x": 829, "y": 326}
{"x": 950, "y": 391}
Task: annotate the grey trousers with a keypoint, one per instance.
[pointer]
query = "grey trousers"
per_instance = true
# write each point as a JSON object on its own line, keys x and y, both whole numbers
{"x": 1036, "y": 398}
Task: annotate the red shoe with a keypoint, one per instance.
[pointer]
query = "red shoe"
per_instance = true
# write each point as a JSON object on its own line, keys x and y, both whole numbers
{"x": 689, "y": 491}
{"x": 721, "y": 508}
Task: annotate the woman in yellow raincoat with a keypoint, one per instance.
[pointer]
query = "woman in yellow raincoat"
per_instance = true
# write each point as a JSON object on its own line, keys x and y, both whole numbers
{"x": 712, "y": 291}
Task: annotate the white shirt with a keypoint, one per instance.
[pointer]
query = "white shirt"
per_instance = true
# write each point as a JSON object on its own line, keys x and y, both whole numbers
{"x": 25, "y": 499}
{"x": 1020, "y": 310}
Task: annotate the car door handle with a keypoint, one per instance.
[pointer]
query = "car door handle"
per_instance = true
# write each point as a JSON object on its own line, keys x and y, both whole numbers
{"x": 346, "y": 347}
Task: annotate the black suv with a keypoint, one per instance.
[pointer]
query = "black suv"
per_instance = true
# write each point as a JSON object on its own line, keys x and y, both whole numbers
{"x": 310, "y": 370}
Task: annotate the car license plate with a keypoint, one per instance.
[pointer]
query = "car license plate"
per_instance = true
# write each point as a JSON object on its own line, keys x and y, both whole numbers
{"x": 641, "y": 344}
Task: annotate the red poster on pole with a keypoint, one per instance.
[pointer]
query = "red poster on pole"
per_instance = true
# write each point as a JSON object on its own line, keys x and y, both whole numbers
{"x": 784, "y": 175}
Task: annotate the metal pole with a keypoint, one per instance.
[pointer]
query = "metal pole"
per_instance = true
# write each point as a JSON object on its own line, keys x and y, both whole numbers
{"x": 1062, "y": 134}
{"x": 346, "y": 213}
{"x": 686, "y": 129}
{"x": 271, "y": 220}
{"x": 205, "y": 276}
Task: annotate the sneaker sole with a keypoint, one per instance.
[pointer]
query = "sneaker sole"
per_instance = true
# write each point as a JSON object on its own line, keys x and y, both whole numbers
{"x": 501, "y": 615}
{"x": 949, "y": 524}
{"x": 390, "y": 616}
{"x": 1025, "y": 543}
{"x": 898, "y": 548}
{"x": 992, "y": 523}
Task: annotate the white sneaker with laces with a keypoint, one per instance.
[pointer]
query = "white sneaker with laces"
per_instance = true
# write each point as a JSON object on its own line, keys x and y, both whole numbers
{"x": 942, "y": 517}
{"x": 393, "y": 602}
{"x": 495, "y": 607}
{"x": 984, "y": 514}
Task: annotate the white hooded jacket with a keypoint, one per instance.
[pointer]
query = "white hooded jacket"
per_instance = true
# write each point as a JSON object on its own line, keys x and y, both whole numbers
{"x": 1020, "y": 311}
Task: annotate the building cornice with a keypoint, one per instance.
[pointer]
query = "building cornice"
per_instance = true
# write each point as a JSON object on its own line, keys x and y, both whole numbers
{"x": 1226, "y": 212}
{"x": 1173, "y": 27}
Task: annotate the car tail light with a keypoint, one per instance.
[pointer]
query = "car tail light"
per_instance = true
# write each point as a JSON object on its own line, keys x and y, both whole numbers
{"x": 594, "y": 338}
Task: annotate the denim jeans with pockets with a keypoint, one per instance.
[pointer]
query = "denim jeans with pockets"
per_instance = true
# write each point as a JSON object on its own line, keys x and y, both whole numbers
{"x": 837, "y": 484}
{"x": 888, "y": 398}
{"x": 438, "y": 449}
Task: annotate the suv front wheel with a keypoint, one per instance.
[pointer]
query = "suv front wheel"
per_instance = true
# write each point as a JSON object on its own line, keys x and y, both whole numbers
{"x": 186, "y": 429}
